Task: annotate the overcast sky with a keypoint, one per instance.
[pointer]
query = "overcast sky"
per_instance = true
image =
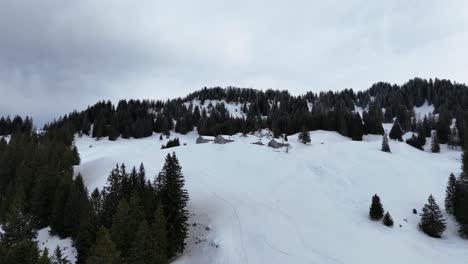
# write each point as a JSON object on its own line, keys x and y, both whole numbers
{"x": 56, "y": 55}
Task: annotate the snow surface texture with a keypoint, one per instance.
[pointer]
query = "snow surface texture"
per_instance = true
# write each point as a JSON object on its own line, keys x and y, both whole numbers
{"x": 45, "y": 240}
{"x": 233, "y": 108}
{"x": 424, "y": 110}
{"x": 254, "y": 204}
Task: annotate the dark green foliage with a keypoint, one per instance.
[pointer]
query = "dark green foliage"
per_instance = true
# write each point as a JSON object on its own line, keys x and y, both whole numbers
{"x": 414, "y": 142}
{"x": 432, "y": 221}
{"x": 396, "y": 133}
{"x": 142, "y": 250}
{"x": 304, "y": 136}
{"x": 435, "y": 147}
{"x": 387, "y": 220}
{"x": 443, "y": 125}
{"x": 453, "y": 138}
{"x": 16, "y": 243}
{"x": 450, "y": 194}
{"x": 171, "y": 143}
{"x": 174, "y": 198}
{"x": 385, "y": 146}
{"x": 121, "y": 233}
{"x": 44, "y": 258}
{"x": 58, "y": 257}
{"x": 159, "y": 235}
{"x": 376, "y": 210}
{"x": 104, "y": 250}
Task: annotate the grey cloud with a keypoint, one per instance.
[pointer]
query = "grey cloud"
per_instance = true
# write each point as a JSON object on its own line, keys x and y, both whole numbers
{"x": 56, "y": 56}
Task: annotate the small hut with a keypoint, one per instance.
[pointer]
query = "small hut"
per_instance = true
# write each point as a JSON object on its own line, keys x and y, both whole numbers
{"x": 203, "y": 139}
{"x": 221, "y": 140}
{"x": 275, "y": 144}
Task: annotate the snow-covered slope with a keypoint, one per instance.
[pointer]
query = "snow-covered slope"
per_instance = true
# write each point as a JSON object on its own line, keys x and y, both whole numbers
{"x": 45, "y": 240}
{"x": 254, "y": 204}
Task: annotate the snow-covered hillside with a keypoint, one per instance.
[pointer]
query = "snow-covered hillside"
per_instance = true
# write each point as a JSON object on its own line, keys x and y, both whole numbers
{"x": 254, "y": 204}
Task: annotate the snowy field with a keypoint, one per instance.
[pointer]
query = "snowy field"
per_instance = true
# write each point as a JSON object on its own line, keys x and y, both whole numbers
{"x": 254, "y": 204}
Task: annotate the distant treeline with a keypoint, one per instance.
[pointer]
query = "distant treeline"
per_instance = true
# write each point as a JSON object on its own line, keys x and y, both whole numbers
{"x": 279, "y": 111}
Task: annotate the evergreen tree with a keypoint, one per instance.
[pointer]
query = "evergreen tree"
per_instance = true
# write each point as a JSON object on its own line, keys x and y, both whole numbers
{"x": 450, "y": 194}
{"x": 396, "y": 133}
{"x": 385, "y": 146}
{"x": 121, "y": 233}
{"x": 59, "y": 258}
{"x": 376, "y": 210}
{"x": 86, "y": 234}
{"x": 44, "y": 258}
{"x": 104, "y": 251}
{"x": 17, "y": 240}
{"x": 432, "y": 221}
{"x": 387, "y": 220}
{"x": 453, "y": 139}
{"x": 159, "y": 234}
{"x": 304, "y": 136}
{"x": 174, "y": 197}
{"x": 435, "y": 147}
{"x": 142, "y": 251}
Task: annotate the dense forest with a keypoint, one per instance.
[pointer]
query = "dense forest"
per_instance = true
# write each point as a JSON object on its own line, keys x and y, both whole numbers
{"x": 282, "y": 112}
{"x": 135, "y": 218}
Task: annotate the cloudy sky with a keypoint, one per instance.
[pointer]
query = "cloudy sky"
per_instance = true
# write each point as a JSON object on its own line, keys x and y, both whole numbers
{"x": 56, "y": 56}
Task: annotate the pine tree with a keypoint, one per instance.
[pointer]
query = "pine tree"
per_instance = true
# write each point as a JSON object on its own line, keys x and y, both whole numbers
{"x": 174, "y": 197}
{"x": 435, "y": 147}
{"x": 121, "y": 233}
{"x": 44, "y": 258}
{"x": 396, "y": 133}
{"x": 432, "y": 221}
{"x": 450, "y": 194}
{"x": 141, "y": 251}
{"x": 387, "y": 220}
{"x": 104, "y": 251}
{"x": 376, "y": 210}
{"x": 304, "y": 136}
{"x": 158, "y": 230}
{"x": 453, "y": 139}
{"x": 17, "y": 240}
{"x": 385, "y": 146}
{"x": 59, "y": 258}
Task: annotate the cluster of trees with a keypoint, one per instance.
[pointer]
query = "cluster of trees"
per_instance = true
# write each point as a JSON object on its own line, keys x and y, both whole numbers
{"x": 376, "y": 212}
{"x": 283, "y": 113}
{"x": 456, "y": 199}
{"x": 17, "y": 125}
{"x": 171, "y": 143}
{"x": 32, "y": 169}
{"x": 132, "y": 220}
{"x": 432, "y": 221}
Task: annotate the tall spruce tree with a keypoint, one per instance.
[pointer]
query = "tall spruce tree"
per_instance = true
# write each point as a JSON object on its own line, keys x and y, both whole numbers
{"x": 104, "y": 251}
{"x": 159, "y": 233}
{"x": 432, "y": 221}
{"x": 44, "y": 258}
{"x": 142, "y": 250}
{"x": 121, "y": 233}
{"x": 376, "y": 210}
{"x": 174, "y": 197}
{"x": 450, "y": 194}
{"x": 58, "y": 257}
{"x": 435, "y": 147}
{"x": 396, "y": 133}
{"x": 385, "y": 146}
